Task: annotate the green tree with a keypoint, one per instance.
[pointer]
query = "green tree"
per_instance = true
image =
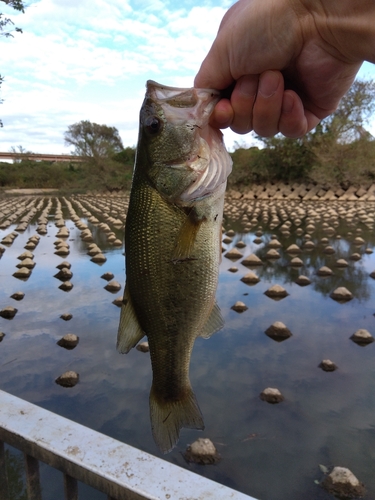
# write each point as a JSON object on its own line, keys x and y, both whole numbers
{"x": 343, "y": 148}
{"x": 6, "y": 23}
{"x": 339, "y": 150}
{"x": 96, "y": 142}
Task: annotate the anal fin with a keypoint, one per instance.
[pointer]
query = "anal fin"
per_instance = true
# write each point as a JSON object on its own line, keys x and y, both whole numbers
{"x": 214, "y": 323}
{"x": 129, "y": 331}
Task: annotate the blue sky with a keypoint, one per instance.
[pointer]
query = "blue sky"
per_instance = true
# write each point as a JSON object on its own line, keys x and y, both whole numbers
{"x": 89, "y": 60}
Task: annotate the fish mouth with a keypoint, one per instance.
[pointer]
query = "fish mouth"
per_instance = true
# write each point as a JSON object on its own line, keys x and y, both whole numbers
{"x": 189, "y": 106}
{"x": 209, "y": 160}
{"x": 212, "y": 165}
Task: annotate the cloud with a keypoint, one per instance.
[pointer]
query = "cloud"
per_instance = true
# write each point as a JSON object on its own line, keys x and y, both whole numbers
{"x": 91, "y": 59}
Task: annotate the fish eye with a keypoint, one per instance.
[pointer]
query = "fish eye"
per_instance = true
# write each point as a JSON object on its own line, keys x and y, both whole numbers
{"x": 153, "y": 125}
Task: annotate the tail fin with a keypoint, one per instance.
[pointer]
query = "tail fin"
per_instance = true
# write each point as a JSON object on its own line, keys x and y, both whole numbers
{"x": 169, "y": 417}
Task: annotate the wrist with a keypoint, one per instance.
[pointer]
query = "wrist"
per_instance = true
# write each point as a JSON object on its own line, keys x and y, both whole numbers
{"x": 347, "y": 26}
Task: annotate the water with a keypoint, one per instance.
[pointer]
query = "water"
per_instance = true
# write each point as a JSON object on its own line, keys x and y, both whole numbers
{"x": 271, "y": 452}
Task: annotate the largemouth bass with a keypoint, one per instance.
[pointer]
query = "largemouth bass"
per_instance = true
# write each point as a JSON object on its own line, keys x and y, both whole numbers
{"x": 173, "y": 247}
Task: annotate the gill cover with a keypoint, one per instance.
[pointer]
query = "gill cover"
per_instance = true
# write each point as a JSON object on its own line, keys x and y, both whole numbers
{"x": 187, "y": 156}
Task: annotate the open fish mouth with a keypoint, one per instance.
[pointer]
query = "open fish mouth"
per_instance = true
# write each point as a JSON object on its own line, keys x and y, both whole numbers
{"x": 211, "y": 164}
{"x": 192, "y": 107}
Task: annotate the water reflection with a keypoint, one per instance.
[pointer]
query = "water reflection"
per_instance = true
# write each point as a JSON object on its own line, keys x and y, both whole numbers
{"x": 269, "y": 451}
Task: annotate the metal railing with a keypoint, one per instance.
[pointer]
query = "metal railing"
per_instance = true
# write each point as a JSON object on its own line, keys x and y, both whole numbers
{"x": 117, "y": 469}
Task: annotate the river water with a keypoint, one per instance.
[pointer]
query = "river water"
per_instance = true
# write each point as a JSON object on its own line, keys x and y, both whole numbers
{"x": 269, "y": 451}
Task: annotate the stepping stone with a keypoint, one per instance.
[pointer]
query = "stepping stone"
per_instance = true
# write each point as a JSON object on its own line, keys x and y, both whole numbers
{"x": 68, "y": 379}
{"x": 233, "y": 254}
{"x": 293, "y": 249}
{"x": 355, "y": 256}
{"x": 240, "y": 244}
{"x": 66, "y": 286}
{"x": 99, "y": 258}
{"x": 278, "y": 331}
{"x": 302, "y": 280}
{"x": 202, "y": 452}
{"x": 8, "y": 312}
{"x": 324, "y": 271}
{"x": 271, "y": 395}
{"x": 276, "y": 292}
{"x": 227, "y": 240}
{"x": 63, "y": 264}
{"x": 143, "y": 347}
{"x": 22, "y": 273}
{"x": 308, "y": 245}
{"x": 341, "y": 294}
{"x": 113, "y": 286}
{"x": 26, "y": 255}
{"x": 250, "y": 278}
{"x": 66, "y": 316}
{"x": 272, "y": 254}
{"x": 107, "y": 276}
{"x": 358, "y": 241}
{"x": 296, "y": 262}
{"x": 362, "y": 337}
{"x": 64, "y": 274}
{"x": 68, "y": 341}
{"x": 239, "y": 307}
{"x": 342, "y": 483}
{"x": 329, "y": 250}
{"x": 327, "y": 365}
{"x": 341, "y": 263}
{"x": 118, "y": 301}
{"x": 274, "y": 243}
{"x": 252, "y": 261}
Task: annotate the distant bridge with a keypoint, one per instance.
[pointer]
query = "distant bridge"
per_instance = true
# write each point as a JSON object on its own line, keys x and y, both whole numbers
{"x": 39, "y": 157}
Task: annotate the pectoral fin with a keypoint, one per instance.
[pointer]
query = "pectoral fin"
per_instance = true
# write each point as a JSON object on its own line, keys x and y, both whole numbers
{"x": 214, "y": 323}
{"x": 129, "y": 330}
{"x": 186, "y": 236}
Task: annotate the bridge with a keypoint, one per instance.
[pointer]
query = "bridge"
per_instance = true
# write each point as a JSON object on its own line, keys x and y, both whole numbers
{"x": 39, "y": 157}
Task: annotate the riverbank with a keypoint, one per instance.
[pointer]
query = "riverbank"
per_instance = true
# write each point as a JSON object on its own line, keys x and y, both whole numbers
{"x": 301, "y": 191}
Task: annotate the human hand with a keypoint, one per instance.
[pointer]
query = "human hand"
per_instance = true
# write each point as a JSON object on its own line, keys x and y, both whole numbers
{"x": 283, "y": 59}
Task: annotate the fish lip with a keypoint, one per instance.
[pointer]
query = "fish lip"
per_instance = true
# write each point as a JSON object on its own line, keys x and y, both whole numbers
{"x": 153, "y": 86}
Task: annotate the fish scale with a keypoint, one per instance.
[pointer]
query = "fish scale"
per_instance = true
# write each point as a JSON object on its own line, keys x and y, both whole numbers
{"x": 173, "y": 249}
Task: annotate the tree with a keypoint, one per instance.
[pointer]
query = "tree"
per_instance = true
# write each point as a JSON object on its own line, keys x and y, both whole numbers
{"x": 338, "y": 151}
{"x": 6, "y": 23}
{"x": 344, "y": 150}
{"x": 93, "y": 141}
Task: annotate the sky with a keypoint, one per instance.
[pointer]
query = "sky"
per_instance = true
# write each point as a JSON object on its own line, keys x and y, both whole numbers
{"x": 90, "y": 59}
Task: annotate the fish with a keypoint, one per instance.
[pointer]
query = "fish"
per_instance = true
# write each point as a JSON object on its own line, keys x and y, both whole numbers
{"x": 173, "y": 247}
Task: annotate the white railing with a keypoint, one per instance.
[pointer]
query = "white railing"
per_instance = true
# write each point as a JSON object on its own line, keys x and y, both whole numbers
{"x": 117, "y": 469}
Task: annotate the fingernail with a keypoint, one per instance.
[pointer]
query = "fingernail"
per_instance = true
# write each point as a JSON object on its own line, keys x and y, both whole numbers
{"x": 248, "y": 87}
{"x": 288, "y": 103}
{"x": 268, "y": 83}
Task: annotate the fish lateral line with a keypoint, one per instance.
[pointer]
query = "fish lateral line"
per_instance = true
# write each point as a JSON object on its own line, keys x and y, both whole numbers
{"x": 182, "y": 260}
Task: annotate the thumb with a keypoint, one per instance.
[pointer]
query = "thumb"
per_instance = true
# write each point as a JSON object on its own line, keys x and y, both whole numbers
{"x": 214, "y": 72}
